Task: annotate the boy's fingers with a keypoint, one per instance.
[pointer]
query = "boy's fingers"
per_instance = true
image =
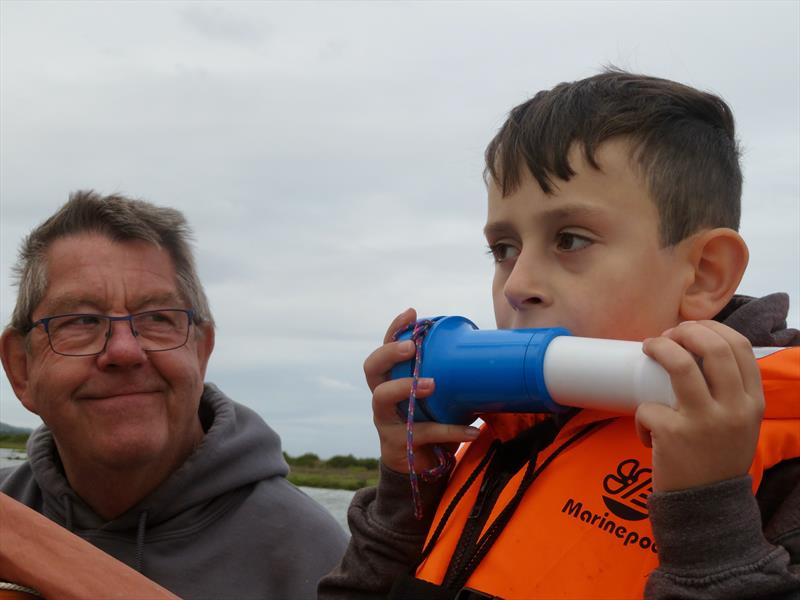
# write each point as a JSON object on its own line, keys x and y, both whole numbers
{"x": 685, "y": 376}
{"x": 440, "y": 433}
{"x": 642, "y": 429}
{"x": 401, "y": 321}
{"x": 649, "y": 417}
{"x": 388, "y": 394}
{"x": 743, "y": 354}
{"x": 381, "y": 361}
{"x": 719, "y": 366}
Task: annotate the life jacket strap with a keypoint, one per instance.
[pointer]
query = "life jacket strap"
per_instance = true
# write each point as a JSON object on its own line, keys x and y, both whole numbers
{"x": 411, "y": 588}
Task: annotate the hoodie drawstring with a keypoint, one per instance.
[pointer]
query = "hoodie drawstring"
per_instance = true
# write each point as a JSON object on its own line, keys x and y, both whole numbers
{"x": 68, "y": 512}
{"x": 140, "y": 540}
{"x": 139, "y": 532}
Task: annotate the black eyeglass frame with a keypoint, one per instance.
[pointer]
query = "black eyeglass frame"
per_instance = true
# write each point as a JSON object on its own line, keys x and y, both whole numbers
{"x": 45, "y": 322}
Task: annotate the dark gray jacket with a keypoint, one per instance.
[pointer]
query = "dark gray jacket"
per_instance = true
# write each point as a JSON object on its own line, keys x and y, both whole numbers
{"x": 717, "y": 541}
{"x": 226, "y": 524}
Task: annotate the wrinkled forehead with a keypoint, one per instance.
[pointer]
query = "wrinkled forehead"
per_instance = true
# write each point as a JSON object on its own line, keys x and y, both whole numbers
{"x": 92, "y": 271}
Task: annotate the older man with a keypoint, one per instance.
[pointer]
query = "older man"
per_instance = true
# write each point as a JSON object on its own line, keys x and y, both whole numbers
{"x": 108, "y": 344}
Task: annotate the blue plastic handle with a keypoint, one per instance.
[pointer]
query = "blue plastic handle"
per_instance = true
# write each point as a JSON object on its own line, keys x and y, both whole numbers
{"x": 480, "y": 371}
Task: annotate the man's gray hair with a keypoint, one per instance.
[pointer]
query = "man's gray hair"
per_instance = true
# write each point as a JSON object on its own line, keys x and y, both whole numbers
{"x": 121, "y": 219}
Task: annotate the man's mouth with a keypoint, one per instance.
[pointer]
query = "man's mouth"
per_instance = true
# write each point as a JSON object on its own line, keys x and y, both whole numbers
{"x": 110, "y": 394}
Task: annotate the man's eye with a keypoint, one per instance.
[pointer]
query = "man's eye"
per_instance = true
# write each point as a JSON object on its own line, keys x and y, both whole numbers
{"x": 75, "y": 323}
{"x": 82, "y": 321}
{"x": 155, "y": 317}
{"x": 571, "y": 242}
{"x": 503, "y": 252}
{"x": 158, "y": 318}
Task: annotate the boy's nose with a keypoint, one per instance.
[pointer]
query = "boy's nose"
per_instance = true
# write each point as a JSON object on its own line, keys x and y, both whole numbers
{"x": 525, "y": 286}
{"x": 123, "y": 348}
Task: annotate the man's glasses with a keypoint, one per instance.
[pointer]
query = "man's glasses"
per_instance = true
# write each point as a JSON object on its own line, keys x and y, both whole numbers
{"x": 88, "y": 334}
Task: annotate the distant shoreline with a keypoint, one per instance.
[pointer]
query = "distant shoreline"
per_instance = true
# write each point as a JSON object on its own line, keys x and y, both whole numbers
{"x": 13, "y": 441}
{"x": 334, "y": 479}
{"x": 309, "y": 470}
{"x": 338, "y": 472}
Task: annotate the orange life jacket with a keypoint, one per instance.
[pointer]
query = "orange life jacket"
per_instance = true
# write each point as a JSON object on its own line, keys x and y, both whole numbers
{"x": 581, "y": 530}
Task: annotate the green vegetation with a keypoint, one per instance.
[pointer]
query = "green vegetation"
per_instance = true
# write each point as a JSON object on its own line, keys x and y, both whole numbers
{"x": 13, "y": 440}
{"x": 338, "y": 472}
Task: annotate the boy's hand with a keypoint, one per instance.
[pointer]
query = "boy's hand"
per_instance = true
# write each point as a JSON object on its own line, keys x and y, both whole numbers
{"x": 711, "y": 435}
{"x": 387, "y": 393}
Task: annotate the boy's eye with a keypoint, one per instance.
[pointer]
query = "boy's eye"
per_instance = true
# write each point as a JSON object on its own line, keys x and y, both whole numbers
{"x": 571, "y": 242}
{"x": 502, "y": 252}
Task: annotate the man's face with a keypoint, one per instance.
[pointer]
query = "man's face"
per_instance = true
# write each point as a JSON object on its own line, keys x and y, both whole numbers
{"x": 587, "y": 257}
{"x": 125, "y": 407}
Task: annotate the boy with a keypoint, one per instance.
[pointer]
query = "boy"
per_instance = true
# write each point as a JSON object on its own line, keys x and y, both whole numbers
{"x": 613, "y": 210}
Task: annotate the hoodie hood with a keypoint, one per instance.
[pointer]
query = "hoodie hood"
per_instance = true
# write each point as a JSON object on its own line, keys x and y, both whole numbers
{"x": 239, "y": 449}
{"x": 761, "y": 320}
{"x": 226, "y": 524}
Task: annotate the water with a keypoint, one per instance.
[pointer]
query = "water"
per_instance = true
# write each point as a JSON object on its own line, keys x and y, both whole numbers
{"x": 11, "y": 458}
{"x": 336, "y": 501}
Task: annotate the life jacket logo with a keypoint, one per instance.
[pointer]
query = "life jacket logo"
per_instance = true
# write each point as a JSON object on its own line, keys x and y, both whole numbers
{"x": 628, "y": 490}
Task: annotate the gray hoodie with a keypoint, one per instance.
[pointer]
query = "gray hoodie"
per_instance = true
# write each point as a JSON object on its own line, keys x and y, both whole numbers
{"x": 226, "y": 524}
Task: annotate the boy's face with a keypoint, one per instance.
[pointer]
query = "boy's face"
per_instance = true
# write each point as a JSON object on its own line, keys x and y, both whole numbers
{"x": 587, "y": 257}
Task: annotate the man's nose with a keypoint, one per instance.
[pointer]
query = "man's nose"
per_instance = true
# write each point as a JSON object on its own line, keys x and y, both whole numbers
{"x": 123, "y": 348}
{"x": 526, "y": 284}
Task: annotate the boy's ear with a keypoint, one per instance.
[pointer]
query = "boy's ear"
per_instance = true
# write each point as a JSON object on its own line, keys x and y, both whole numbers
{"x": 718, "y": 258}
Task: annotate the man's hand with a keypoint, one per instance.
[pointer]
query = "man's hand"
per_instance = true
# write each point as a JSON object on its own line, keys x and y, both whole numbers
{"x": 711, "y": 435}
{"x": 387, "y": 393}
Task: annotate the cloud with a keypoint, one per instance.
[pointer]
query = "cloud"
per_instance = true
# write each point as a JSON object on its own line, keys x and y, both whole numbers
{"x": 329, "y": 383}
{"x": 329, "y": 157}
{"x": 219, "y": 23}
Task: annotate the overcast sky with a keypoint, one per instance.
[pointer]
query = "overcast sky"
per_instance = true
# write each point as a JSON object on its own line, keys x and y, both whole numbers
{"x": 329, "y": 156}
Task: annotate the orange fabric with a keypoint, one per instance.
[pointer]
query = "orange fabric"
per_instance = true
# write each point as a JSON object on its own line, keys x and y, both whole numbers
{"x": 582, "y": 528}
{"x": 780, "y": 377}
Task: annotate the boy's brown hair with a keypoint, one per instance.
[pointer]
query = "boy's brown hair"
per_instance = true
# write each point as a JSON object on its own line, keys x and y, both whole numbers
{"x": 682, "y": 139}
